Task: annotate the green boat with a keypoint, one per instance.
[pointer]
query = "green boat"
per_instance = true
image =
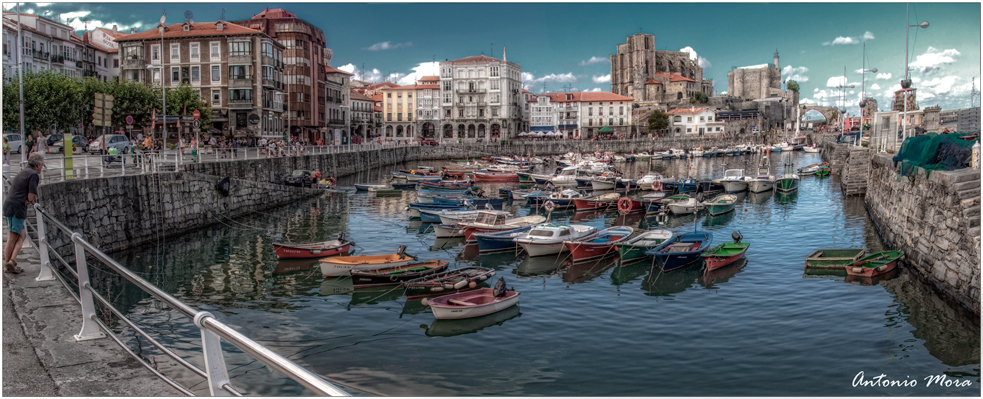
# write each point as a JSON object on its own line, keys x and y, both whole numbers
{"x": 833, "y": 259}
{"x": 823, "y": 170}
{"x": 721, "y": 204}
{"x": 634, "y": 249}
{"x": 789, "y": 180}
{"x": 875, "y": 264}
{"x": 524, "y": 177}
{"x": 726, "y": 253}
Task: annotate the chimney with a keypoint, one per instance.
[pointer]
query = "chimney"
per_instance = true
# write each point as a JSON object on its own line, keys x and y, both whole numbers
{"x": 114, "y": 30}
{"x": 133, "y": 30}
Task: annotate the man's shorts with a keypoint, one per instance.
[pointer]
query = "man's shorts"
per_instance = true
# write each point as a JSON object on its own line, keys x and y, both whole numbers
{"x": 14, "y": 224}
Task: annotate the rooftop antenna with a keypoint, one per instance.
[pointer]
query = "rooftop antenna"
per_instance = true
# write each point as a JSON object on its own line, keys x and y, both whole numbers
{"x": 189, "y": 17}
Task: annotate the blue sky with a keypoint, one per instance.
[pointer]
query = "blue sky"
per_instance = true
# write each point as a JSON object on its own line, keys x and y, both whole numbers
{"x": 566, "y": 46}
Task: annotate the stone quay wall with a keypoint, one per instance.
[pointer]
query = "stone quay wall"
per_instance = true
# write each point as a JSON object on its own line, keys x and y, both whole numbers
{"x": 118, "y": 213}
{"x": 933, "y": 217}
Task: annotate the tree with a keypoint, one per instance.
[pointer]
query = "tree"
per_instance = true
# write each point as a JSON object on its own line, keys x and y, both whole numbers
{"x": 658, "y": 121}
{"x": 184, "y": 100}
{"x": 793, "y": 86}
{"x": 49, "y": 99}
{"x": 699, "y": 97}
{"x": 132, "y": 99}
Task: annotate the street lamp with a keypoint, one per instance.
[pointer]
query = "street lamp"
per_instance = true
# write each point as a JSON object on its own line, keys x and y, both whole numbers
{"x": 843, "y": 99}
{"x": 906, "y": 82}
{"x": 863, "y": 91}
{"x": 163, "y": 94}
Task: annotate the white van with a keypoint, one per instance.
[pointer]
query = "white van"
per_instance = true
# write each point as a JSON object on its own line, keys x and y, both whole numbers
{"x": 15, "y": 142}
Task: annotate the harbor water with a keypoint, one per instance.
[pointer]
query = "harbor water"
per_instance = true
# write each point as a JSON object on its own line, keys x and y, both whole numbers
{"x": 760, "y": 327}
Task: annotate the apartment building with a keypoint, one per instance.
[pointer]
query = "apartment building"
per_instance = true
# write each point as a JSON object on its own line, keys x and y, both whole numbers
{"x": 399, "y": 109}
{"x": 363, "y": 122}
{"x": 480, "y": 99}
{"x": 583, "y": 114}
{"x": 337, "y": 88}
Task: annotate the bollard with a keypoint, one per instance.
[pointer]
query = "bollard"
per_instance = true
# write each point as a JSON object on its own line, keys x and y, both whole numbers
{"x": 46, "y": 272}
{"x": 90, "y": 329}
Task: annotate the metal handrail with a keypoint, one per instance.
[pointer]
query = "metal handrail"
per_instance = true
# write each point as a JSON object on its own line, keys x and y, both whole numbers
{"x": 211, "y": 328}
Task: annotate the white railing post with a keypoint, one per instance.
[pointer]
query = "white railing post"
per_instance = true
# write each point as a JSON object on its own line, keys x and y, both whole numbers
{"x": 90, "y": 330}
{"x": 211, "y": 348}
{"x": 46, "y": 274}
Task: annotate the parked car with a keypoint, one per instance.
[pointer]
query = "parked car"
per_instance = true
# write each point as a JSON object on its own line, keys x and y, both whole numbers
{"x": 51, "y": 139}
{"x": 106, "y": 141}
{"x": 14, "y": 141}
{"x": 79, "y": 145}
{"x": 299, "y": 178}
{"x": 429, "y": 142}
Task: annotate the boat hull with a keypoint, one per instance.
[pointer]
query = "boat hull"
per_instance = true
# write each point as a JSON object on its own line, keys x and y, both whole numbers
{"x": 760, "y": 186}
{"x": 735, "y": 186}
{"x": 447, "y": 282}
{"x": 502, "y": 241}
{"x": 481, "y": 305}
{"x": 295, "y": 252}
{"x": 786, "y": 185}
{"x": 589, "y": 204}
{"x": 362, "y": 279}
{"x": 343, "y": 269}
{"x": 715, "y": 210}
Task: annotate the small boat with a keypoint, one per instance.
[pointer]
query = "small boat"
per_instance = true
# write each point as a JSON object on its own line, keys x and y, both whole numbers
{"x": 685, "y": 185}
{"x": 566, "y": 177}
{"x": 563, "y": 199}
{"x": 476, "y": 303}
{"x": 726, "y": 253}
{"x": 681, "y": 250}
{"x": 764, "y": 181}
{"x": 720, "y": 204}
{"x": 404, "y": 186}
{"x": 598, "y": 245}
{"x": 500, "y": 241}
{"x": 811, "y": 149}
{"x": 599, "y": 202}
{"x": 415, "y": 208}
{"x": 634, "y": 249}
{"x": 448, "y": 231}
{"x": 875, "y": 264}
{"x": 653, "y": 202}
{"x": 547, "y": 239}
{"x": 833, "y": 259}
{"x": 447, "y": 184}
{"x": 823, "y": 170}
{"x": 447, "y": 282}
{"x": 599, "y": 183}
{"x": 789, "y": 180}
{"x": 734, "y": 180}
{"x": 453, "y": 218}
{"x": 684, "y": 207}
{"x": 368, "y": 186}
{"x": 344, "y": 265}
{"x": 493, "y": 176}
{"x": 808, "y": 170}
{"x": 313, "y": 250}
{"x": 488, "y": 222}
{"x": 395, "y": 275}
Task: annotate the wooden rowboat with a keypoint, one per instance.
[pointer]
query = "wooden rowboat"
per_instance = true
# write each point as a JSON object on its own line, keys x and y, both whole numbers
{"x": 344, "y": 265}
{"x": 447, "y": 282}
{"x": 726, "y": 253}
{"x": 875, "y": 264}
{"x": 396, "y": 275}
{"x": 834, "y": 259}
{"x": 313, "y": 250}
{"x": 476, "y": 303}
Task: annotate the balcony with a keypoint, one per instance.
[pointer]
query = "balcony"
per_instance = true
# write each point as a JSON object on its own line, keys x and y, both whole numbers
{"x": 336, "y": 122}
{"x": 270, "y": 83}
{"x": 240, "y": 103}
{"x": 338, "y": 100}
{"x": 40, "y": 55}
{"x": 470, "y": 90}
{"x": 330, "y": 99}
{"x": 88, "y": 73}
{"x": 240, "y": 59}
{"x": 78, "y": 64}
{"x": 240, "y": 82}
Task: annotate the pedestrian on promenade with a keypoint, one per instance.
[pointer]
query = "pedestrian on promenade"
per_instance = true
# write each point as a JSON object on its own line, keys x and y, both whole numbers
{"x": 235, "y": 148}
{"x": 29, "y": 143}
{"x": 41, "y": 146}
{"x": 6, "y": 146}
{"x": 23, "y": 191}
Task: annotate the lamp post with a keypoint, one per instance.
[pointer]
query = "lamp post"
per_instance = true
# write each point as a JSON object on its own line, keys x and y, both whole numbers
{"x": 163, "y": 94}
{"x": 20, "y": 84}
{"x": 863, "y": 91}
{"x": 843, "y": 99}
{"x": 906, "y": 82}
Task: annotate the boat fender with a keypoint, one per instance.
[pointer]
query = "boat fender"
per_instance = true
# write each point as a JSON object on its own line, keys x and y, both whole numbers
{"x": 437, "y": 289}
{"x": 460, "y": 284}
{"x": 472, "y": 284}
{"x": 425, "y": 302}
{"x": 315, "y": 251}
{"x": 448, "y": 286}
{"x": 491, "y": 274}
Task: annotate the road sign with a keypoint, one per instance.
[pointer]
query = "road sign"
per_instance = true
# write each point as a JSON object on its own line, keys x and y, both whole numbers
{"x": 196, "y": 114}
{"x": 129, "y": 119}
{"x": 197, "y": 123}
{"x": 129, "y": 127}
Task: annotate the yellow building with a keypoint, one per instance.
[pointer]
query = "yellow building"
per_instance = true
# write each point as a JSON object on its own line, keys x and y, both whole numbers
{"x": 398, "y": 109}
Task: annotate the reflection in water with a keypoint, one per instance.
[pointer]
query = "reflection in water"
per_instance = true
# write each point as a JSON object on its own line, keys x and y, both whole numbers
{"x": 336, "y": 286}
{"x": 583, "y": 272}
{"x": 869, "y": 281}
{"x": 625, "y": 273}
{"x": 375, "y": 295}
{"x": 711, "y": 278}
{"x": 718, "y": 220}
{"x": 440, "y": 244}
{"x": 450, "y": 328}
{"x": 537, "y": 265}
{"x": 786, "y": 198}
{"x": 497, "y": 260}
{"x": 659, "y": 283}
{"x": 760, "y": 198}
{"x": 289, "y": 266}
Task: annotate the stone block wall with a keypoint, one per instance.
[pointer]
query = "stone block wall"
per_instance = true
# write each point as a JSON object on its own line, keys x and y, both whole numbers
{"x": 856, "y": 172}
{"x": 935, "y": 220}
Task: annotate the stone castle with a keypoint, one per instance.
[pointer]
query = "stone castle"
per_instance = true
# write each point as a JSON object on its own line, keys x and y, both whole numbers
{"x": 648, "y": 75}
{"x": 755, "y": 83}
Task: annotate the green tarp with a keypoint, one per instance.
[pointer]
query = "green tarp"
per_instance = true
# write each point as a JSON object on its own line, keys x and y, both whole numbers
{"x": 605, "y": 130}
{"x": 934, "y": 151}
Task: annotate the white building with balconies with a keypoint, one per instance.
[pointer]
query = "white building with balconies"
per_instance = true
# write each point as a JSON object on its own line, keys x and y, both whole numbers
{"x": 481, "y": 99}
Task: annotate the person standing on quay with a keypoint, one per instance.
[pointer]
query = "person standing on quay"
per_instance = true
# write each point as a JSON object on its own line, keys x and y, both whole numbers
{"x": 23, "y": 192}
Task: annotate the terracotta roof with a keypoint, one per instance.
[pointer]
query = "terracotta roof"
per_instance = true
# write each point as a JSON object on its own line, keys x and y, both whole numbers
{"x": 430, "y": 79}
{"x": 335, "y": 70}
{"x": 379, "y": 85}
{"x": 587, "y": 96}
{"x": 475, "y": 59}
{"x": 25, "y": 27}
{"x": 22, "y": 14}
{"x": 377, "y": 108}
{"x": 690, "y": 110}
{"x": 275, "y": 13}
{"x": 359, "y": 96}
{"x": 651, "y": 81}
{"x": 675, "y": 77}
{"x": 109, "y": 32}
{"x": 377, "y": 97}
{"x": 197, "y": 29}
{"x": 526, "y": 91}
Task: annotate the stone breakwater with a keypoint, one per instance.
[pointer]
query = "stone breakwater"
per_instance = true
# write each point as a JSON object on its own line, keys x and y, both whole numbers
{"x": 118, "y": 213}
{"x": 933, "y": 217}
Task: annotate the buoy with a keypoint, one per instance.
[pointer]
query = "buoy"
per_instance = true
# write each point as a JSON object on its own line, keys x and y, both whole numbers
{"x": 472, "y": 284}
{"x": 460, "y": 284}
{"x": 437, "y": 289}
{"x": 425, "y": 302}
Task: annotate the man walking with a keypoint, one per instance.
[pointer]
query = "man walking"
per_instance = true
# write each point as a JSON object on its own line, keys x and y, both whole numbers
{"x": 23, "y": 192}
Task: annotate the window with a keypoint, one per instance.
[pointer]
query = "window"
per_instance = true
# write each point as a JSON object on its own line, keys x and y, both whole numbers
{"x": 621, "y": 111}
{"x": 240, "y": 95}
{"x": 460, "y": 113}
{"x": 155, "y": 52}
{"x": 677, "y": 118}
{"x": 215, "y": 51}
{"x": 689, "y": 130}
{"x": 702, "y": 119}
{"x": 389, "y": 95}
{"x": 217, "y": 97}
{"x": 216, "y": 73}
{"x": 610, "y": 110}
{"x": 196, "y": 75}
{"x": 399, "y": 117}
{"x": 610, "y": 121}
{"x": 621, "y": 121}
{"x": 495, "y": 84}
{"x": 195, "y": 55}
{"x": 240, "y": 72}
{"x": 689, "y": 119}
{"x": 175, "y": 75}
{"x": 590, "y": 111}
{"x": 494, "y": 71}
{"x": 115, "y": 62}
{"x": 239, "y": 48}
{"x": 156, "y": 76}
{"x": 389, "y": 116}
{"x": 175, "y": 52}
{"x": 447, "y": 112}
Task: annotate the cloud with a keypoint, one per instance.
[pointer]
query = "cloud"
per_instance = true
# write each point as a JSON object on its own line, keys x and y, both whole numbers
{"x": 530, "y": 81}
{"x": 76, "y": 14}
{"x": 875, "y": 86}
{"x": 602, "y": 78}
{"x": 387, "y": 46}
{"x": 795, "y": 73}
{"x": 933, "y": 60}
{"x": 422, "y": 69}
{"x": 837, "y": 81}
{"x": 366, "y": 76}
{"x": 883, "y": 76}
{"x": 755, "y": 66}
{"x": 595, "y": 60}
{"x": 702, "y": 62}
{"x": 868, "y": 36}
{"x": 841, "y": 40}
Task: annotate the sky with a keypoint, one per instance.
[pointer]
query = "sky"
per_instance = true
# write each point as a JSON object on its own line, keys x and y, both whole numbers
{"x": 567, "y": 47}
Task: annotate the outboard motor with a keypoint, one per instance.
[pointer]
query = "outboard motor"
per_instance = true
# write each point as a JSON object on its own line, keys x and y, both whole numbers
{"x": 736, "y": 236}
{"x": 401, "y": 251}
{"x": 341, "y": 237}
{"x": 499, "y": 289}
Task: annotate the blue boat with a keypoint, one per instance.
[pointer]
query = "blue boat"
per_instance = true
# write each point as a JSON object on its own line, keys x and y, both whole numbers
{"x": 499, "y": 241}
{"x": 415, "y": 208}
{"x": 404, "y": 186}
{"x": 686, "y": 185}
{"x": 432, "y": 216}
{"x": 681, "y": 250}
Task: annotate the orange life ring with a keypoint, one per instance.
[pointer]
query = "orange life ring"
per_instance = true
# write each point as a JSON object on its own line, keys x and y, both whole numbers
{"x": 657, "y": 185}
{"x": 624, "y": 205}
{"x": 549, "y": 206}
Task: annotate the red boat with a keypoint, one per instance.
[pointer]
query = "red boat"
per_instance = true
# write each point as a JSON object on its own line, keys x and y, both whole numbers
{"x": 598, "y": 245}
{"x": 875, "y": 264}
{"x": 492, "y": 176}
{"x": 591, "y": 203}
{"x": 314, "y": 249}
{"x": 630, "y": 205}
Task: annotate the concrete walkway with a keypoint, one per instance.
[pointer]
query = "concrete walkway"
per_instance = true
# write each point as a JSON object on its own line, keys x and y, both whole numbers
{"x": 40, "y": 354}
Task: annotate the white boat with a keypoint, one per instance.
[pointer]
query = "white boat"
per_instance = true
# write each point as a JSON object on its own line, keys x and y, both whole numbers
{"x": 734, "y": 180}
{"x": 471, "y": 304}
{"x": 547, "y": 239}
{"x": 619, "y": 159}
{"x": 368, "y": 186}
{"x": 488, "y": 222}
{"x": 603, "y": 183}
{"x": 448, "y": 231}
{"x": 696, "y": 152}
{"x": 676, "y": 153}
{"x": 685, "y": 207}
{"x": 453, "y": 218}
{"x": 811, "y": 149}
{"x": 764, "y": 181}
{"x": 808, "y": 170}
{"x": 566, "y": 177}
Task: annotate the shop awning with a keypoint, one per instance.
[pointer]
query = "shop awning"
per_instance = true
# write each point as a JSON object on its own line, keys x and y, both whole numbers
{"x": 605, "y": 130}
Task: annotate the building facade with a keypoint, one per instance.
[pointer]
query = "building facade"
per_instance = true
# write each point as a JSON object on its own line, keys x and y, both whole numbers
{"x": 637, "y": 61}
{"x": 305, "y": 56}
{"x": 363, "y": 123}
{"x": 238, "y": 70}
{"x": 543, "y": 115}
{"x": 481, "y": 99}
{"x": 428, "y": 106}
{"x": 399, "y": 109}
{"x": 47, "y": 45}
{"x": 337, "y": 86}
{"x": 694, "y": 121}
{"x": 581, "y": 115}
{"x": 755, "y": 82}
